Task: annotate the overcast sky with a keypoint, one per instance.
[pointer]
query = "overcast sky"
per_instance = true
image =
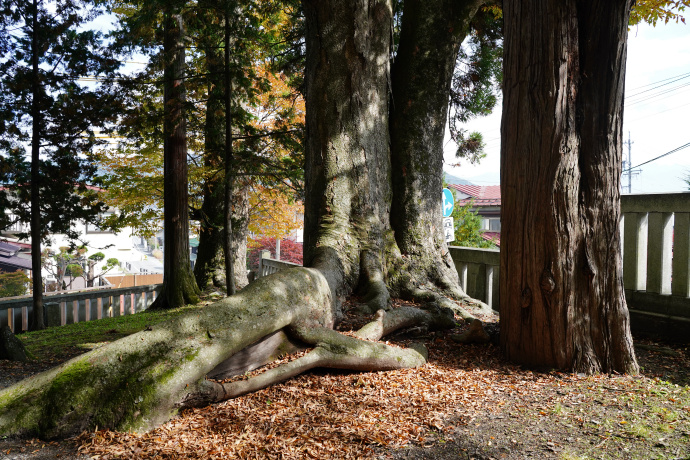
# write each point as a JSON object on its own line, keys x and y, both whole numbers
{"x": 657, "y": 113}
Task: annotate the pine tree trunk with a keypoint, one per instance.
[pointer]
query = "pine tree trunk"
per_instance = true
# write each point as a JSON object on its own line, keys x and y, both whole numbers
{"x": 430, "y": 38}
{"x": 229, "y": 165}
{"x": 562, "y": 299}
{"x": 179, "y": 285}
{"x": 37, "y": 321}
{"x": 209, "y": 269}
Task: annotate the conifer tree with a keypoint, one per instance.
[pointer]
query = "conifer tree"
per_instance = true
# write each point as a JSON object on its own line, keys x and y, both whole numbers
{"x": 43, "y": 105}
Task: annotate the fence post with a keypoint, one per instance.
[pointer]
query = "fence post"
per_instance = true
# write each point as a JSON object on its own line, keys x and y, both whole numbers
{"x": 489, "y": 291}
{"x": 635, "y": 251}
{"x": 660, "y": 252}
{"x": 53, "y": 316}
{"x": 680, "y": 284}
{"x": 463, "y": 277}
{"x": 262, "y": 268}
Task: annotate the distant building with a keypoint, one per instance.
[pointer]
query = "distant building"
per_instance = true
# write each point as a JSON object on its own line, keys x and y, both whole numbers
{"x": 12, "y": 259}
{"x": 132, "y": 252}
{"x": 486, "y": 201}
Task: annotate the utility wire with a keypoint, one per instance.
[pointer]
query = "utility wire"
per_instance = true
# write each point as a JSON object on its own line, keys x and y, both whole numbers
{"x": 660, "y": 93}
{"x": 673, "y": 80}
{"x": 660, "y": 156}
{"x": 659, "y": 81}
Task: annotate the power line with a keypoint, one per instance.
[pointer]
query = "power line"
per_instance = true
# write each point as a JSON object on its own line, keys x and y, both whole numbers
{"x": 660, "y": 156}
{"x": 660, "y": 93}
{"x": 660, "y": 81}
{"x": 673, "y": 80}
{"x": 657, "y": 113}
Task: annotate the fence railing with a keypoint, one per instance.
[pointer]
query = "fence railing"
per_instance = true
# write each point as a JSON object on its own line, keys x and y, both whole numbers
{"x": 268, "y": 266}
{"x": 656, "y": 261}
{"x": 73, "y": 307}
{"x": 478, "y": 270}
{"x": 655, "y": 232}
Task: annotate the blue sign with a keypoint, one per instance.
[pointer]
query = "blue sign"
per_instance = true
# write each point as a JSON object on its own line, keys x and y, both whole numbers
{"x": 447, "y": 203}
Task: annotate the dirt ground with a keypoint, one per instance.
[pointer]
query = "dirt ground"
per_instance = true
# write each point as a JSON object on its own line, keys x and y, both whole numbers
{"x": 466, "y": 403}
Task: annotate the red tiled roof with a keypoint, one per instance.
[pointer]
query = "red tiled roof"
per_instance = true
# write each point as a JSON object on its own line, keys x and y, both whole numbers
{"x": 483, "y": 195}
{"x": 494, "y": 237}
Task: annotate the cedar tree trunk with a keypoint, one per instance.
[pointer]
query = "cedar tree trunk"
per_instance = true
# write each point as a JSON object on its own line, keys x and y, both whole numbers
{"x": 562, "y": 299}
{"x": 179, "y": 285}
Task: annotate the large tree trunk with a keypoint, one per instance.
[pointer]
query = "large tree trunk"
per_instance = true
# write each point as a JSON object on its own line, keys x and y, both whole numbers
{"x": 562, "y": 299}
{"x": 430, "y": 37}
{"x": 347, "y": 173}
{"x": 179, "y": 285}
{"x": 140, "y": 381}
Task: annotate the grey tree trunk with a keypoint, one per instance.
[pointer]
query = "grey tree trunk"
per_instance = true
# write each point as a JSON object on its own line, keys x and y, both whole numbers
{"x": 240, "y": 232}
{"x": 430, "y": 37}
{"x": 562, "y": 299}
{"x": 347, "y": 173}
{"x": 144, "y": 379}
{"x": 179, "y": 285}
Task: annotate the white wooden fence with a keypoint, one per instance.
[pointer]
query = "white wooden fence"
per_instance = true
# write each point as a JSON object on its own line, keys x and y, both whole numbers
{"x": 655, "y": 231}
{"x": 73, "y": 307}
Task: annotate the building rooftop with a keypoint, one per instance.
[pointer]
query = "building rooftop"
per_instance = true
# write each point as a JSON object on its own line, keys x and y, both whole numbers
{"x": 10, "y": 261}
{"x": 483, "y": 195}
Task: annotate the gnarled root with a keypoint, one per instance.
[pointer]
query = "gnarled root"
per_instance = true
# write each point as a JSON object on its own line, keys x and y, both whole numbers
{"x": 336, "y": 351}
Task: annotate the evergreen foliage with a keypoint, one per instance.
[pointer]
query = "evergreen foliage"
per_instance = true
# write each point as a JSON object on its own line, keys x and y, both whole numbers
{"x": 13, "y": 283}
{"x": 468, "y": 228}
{"x": 43, "y": 104}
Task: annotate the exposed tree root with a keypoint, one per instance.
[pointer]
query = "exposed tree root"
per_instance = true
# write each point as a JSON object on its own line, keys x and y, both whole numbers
{"x": 475, "y": 334}
{"x": 336, "y": 351}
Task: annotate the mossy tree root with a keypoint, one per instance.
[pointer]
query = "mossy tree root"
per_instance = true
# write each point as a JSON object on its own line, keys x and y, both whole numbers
{"x": 336, "y": 351}
{"x": 138, "y": 382}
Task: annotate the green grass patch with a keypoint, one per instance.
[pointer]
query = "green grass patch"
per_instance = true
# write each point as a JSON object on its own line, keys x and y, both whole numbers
{"x": 70, "y": 339}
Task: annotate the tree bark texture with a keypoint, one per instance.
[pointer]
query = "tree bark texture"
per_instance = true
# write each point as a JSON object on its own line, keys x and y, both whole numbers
{"x": 562, "y": 298}
{"x": 347, "y": 172}
{"x": 37, "y": 321}
{"x": 430, "y": 37}
{"x": 179, "y": 285}
{"x": 209, "y": 269}
{"x": 229, "y": 166}
{"x": 209, "y": 266}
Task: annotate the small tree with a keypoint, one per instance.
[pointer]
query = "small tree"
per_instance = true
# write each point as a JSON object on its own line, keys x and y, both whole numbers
{"x": 61, "y": 264}
{"x": 73, "y": 263}
{"x": 468, "y": 228}
{"x": 91, "y": 263}
{"x": 13, "y": 283}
